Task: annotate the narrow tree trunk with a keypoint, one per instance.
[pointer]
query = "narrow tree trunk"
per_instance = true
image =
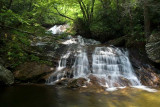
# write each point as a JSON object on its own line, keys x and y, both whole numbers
{"x": 146, "y": 20}
{"x": 92, "y": 9}
{"x": 118, "y": 11}
{"x": 10, "y": 4}
{"x": 82, "y": 9}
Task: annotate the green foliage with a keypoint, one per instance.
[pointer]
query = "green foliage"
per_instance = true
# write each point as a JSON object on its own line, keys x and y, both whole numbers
{"x": 13, "y": 48}
{"x": 18, "y": 23}
{"x": 34, "y": 58}
{"x": 37, "y": 59}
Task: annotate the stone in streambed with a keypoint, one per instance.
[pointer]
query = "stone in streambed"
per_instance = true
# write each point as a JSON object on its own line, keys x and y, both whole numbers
{"x": 76, "y": 83}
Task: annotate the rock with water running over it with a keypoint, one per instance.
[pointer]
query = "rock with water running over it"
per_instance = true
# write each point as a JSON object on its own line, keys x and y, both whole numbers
{"x": 6, "y": 76}
{"x": 76, "y": 83}
{"x": 144, "y": 70}
{"x": 148, "y": 77}
{"x": 32, "y": 72}
{"x": 153, "y": 47}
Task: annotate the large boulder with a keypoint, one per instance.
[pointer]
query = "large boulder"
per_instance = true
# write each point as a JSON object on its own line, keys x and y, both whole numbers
{"x": 33, "y": 72}
{"x": 153, "y": 47}
{"x": 6, "y": 76}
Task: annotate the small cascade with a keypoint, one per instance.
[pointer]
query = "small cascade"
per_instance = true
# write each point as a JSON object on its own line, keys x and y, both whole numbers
{"x": 81, "y": 65}
{"x": 113, "y": 65}
{"x": 62, "y": 62}
{"x": 59, "y": 73}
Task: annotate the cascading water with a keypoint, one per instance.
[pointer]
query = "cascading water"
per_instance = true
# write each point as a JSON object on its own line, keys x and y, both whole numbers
{"x": 109, "y": 64}
{"x": 113, "y": 65}
{"x": 81, "y": 65}
{"x": 59, "y": 73}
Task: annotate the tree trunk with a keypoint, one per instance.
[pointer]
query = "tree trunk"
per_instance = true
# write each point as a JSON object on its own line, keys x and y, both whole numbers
{"x": 118, "y": 11}
{"x": 146, "y": 19}
{"x": 10, "y": 4}
{"x": 92, "y": 9}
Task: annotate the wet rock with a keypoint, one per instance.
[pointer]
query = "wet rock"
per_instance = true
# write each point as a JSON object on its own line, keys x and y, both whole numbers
{"x": 76, "y": 83}
{"x": 6, "y": 76}
{"x": 96, "y": 81}
{"x": 32, "y": 72}
{"x": 123, "y": 82}
{"x": 148, "y": 77}
{"x": 63, "y": 82}
{"x": 153, "y": 47}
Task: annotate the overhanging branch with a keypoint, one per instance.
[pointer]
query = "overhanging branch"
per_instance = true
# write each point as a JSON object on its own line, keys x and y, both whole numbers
{"x": 62, "y": 14}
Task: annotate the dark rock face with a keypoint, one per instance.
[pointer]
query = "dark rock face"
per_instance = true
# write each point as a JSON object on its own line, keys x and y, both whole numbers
{"x": 33, "y": 72}
{"x": 144, "y": 69}
{"x": 6, "y": 76}
{"x": 153, "y": 47}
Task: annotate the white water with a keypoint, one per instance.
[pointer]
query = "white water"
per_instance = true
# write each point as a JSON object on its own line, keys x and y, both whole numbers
{"x": 62, "y": 62}
{"x": 58, "y": 29}
{"x": 113, "y": 65}
{"x": 109, "y": 64}
{"x": 81, "y": 65}
{"x": 59, "y": 73}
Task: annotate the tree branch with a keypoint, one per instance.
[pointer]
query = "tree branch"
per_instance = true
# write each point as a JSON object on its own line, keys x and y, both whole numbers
{"x": 62, "y": 14}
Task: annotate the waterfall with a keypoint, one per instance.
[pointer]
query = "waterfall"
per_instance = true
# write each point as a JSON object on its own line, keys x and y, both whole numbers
{"x": 108, "y": 64}
{"x": 81, "y": 65}
{"x": 113, "y": 65}
{"x": 59, "y": 73}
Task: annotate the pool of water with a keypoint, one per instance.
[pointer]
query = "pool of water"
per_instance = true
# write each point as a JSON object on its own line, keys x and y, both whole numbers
{"x": 51, "y": 96}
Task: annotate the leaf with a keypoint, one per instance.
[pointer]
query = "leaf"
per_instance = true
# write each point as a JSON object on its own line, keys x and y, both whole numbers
{"x": 9, "y": 53}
